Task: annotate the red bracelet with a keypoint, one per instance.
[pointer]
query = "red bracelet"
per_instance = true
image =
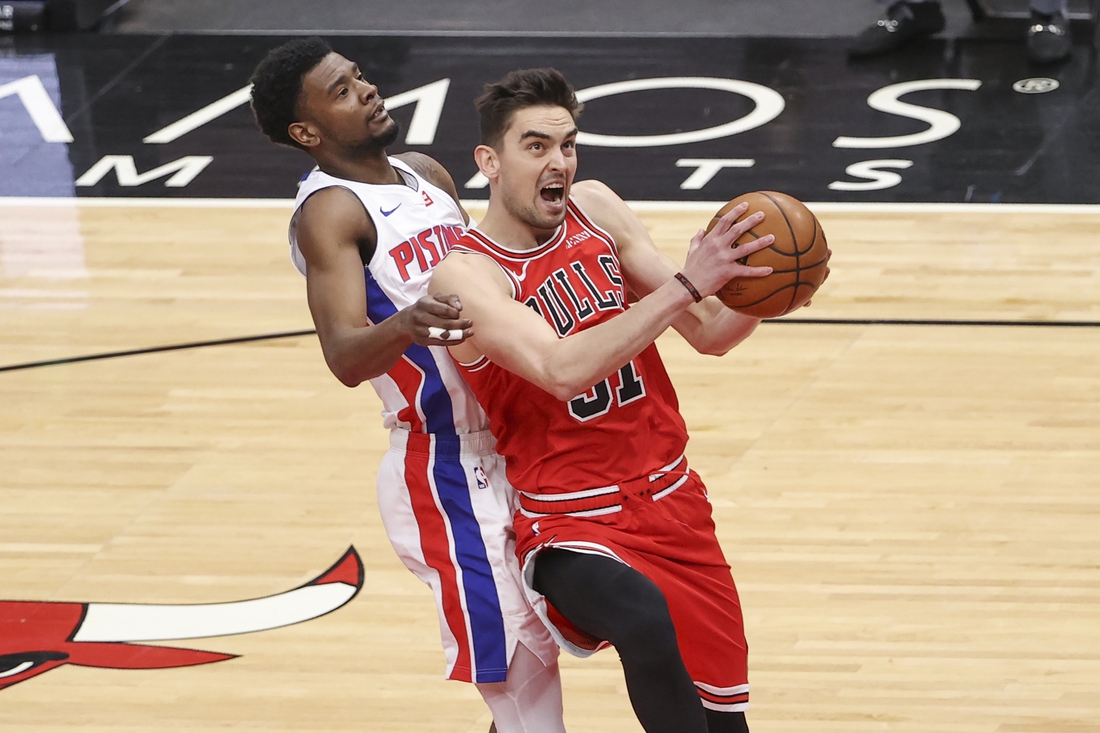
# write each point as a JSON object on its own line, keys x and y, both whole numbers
{"x": 691, "y": 288}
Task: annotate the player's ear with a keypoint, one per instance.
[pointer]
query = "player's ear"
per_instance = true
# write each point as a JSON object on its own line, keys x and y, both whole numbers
{"x": 304, "y": 133}
{"x": 487, "y": 161}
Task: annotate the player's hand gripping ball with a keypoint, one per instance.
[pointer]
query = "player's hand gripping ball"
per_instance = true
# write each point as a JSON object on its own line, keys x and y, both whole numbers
{"x": 798, "y": 257}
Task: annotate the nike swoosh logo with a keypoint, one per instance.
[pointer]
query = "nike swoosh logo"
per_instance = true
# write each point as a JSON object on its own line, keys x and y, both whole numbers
{"x": 387, "y": 213}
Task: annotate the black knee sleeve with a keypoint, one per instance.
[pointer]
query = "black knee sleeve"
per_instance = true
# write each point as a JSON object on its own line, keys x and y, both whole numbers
{"x": 644, "y": 631}
{"x": 608, "y": 599}
{"x": 726, "y": 722}
{"x": 613, "y": 601}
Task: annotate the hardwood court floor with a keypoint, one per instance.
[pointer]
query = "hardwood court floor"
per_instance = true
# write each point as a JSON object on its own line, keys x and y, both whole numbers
{"x": 910, "y": 510}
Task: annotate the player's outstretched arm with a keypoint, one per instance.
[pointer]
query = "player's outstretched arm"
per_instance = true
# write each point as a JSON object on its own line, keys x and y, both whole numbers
{"x": 709, "y": 326}
{"x": 331, "y": 225}
{"x": 519, "y": 340}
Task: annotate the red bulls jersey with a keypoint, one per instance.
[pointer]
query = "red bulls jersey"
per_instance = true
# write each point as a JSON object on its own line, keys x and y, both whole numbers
{"x": 625, "y": 426}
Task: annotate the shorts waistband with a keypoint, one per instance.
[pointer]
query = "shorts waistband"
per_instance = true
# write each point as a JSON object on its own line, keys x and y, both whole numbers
{"x": 607, "y": 499}
{"x": 477, "y": 444}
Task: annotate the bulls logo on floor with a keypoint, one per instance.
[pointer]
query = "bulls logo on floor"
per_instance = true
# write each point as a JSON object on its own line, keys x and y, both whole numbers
{"x": 37, "y": 636}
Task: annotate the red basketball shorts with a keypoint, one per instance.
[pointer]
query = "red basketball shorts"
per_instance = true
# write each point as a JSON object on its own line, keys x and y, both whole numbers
{"x": 666, "y": 532}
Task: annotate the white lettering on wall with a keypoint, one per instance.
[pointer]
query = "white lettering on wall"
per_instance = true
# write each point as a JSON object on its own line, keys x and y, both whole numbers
{"x": 769, "y": 104}
{"x": 428, "y": 99}
{"x": 876, "y": 179}
{"x": 941, "y": 124}
{"x": 185, "y": 169}
{"x": 36, "y": 100}
{"x": 707, "y": 168}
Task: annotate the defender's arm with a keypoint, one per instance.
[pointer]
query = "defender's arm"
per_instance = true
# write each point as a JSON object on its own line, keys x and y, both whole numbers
{"x": 331, "y": 227}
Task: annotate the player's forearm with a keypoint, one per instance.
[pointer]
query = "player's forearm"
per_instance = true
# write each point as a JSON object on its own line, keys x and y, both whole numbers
{"x": 577, "y": 362}
{"x": 712, "y": 328}
{"x": 355, "y": 355}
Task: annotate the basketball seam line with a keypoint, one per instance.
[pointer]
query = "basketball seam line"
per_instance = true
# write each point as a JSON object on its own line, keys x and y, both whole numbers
{"x": 797, "y": 255}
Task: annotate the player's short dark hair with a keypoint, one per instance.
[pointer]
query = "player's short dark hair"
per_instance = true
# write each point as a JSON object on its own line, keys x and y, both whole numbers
{"x": 277, "y": 85}
{"x": 519, "y": 89}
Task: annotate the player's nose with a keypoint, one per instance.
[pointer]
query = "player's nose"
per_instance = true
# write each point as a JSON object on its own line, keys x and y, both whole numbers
{"x": 557, "y": 159}
{"x": 367, "y": 91}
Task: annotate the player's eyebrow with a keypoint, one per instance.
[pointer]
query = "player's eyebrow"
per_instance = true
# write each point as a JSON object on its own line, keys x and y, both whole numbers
{"x": 539, "y": 135}
{"x": 343, "y": 78}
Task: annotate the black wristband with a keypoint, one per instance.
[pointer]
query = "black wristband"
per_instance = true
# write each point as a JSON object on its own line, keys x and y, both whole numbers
{"x": 690, "y": 288}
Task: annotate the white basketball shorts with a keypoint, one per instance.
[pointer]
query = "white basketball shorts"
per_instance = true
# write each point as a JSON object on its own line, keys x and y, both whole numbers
{"x": 447, "y": 508}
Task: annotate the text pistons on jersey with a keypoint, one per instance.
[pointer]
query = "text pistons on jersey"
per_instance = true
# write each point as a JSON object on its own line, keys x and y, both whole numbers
{"x": 568, "y": 297}
{"x": 426, "y": 249}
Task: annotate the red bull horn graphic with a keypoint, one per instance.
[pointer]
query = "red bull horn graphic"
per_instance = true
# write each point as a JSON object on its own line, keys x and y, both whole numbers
{"x": 37, "y": 636}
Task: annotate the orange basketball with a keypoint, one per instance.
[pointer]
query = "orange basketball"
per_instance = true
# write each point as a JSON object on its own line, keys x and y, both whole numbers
{"x": 797, "y": 257}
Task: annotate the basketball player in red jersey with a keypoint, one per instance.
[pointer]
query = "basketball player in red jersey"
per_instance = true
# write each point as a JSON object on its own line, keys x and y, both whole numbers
{"x": 614, "y": 531}
{"x": 367, "y": 229}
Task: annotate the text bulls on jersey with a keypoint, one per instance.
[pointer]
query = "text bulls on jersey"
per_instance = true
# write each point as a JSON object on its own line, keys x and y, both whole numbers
{"x": 569, "y": 297}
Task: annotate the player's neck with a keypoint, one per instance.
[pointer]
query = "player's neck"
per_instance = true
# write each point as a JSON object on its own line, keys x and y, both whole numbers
{"x": 505, "y": 229}
{"x": 373, "y": 167}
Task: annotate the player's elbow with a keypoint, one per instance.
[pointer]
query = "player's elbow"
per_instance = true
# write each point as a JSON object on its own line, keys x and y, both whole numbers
{"x": 718, "y": 339}
{"x": 349, "y": 381}
{"x": 559, "y": 385}
{"x": 348, "y": 376}
{"x": 563, "y": 392}
{"x": 347, "y": 357}
{"x": 708, "y": 344}
{"x": 722, "y": 344}
{"x": 344, "y": 368}
{"x": 714, "y": 349}
{"x": 564, "y": 386}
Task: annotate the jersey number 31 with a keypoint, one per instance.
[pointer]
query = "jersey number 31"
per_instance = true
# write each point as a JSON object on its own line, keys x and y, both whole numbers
{"x": 597, "y": 401}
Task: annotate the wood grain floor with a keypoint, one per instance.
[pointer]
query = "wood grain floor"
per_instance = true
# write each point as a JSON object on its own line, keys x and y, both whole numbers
{"x": 910, "y": 511}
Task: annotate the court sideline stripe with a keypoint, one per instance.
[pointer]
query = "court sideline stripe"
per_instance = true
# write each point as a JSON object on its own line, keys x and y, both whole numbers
{"x": 156, "y": 349}
{"x": 791, "y": 321}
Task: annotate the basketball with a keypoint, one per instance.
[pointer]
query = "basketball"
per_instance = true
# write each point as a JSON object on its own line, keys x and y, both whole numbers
{"x": 797, "y": 257}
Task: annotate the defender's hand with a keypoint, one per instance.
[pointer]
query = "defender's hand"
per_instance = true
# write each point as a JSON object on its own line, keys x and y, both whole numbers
{"x": 436, "y": 320}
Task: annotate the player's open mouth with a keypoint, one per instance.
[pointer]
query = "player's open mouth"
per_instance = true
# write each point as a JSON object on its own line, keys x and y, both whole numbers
{"x": 553, "y": 193}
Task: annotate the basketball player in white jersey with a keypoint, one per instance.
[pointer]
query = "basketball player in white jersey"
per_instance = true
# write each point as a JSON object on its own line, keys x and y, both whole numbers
{"x": 366, "y": 232}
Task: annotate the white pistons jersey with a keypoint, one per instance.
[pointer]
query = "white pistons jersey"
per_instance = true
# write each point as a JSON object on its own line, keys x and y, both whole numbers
{"x": 442, "y": 490}
{"x": 447, "y": 508}
{"x": 417, "y": 223}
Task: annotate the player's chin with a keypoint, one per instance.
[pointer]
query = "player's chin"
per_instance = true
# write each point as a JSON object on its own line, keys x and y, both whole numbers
{"x": 384, "y": 132}
{"x": 551, "y": 211}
